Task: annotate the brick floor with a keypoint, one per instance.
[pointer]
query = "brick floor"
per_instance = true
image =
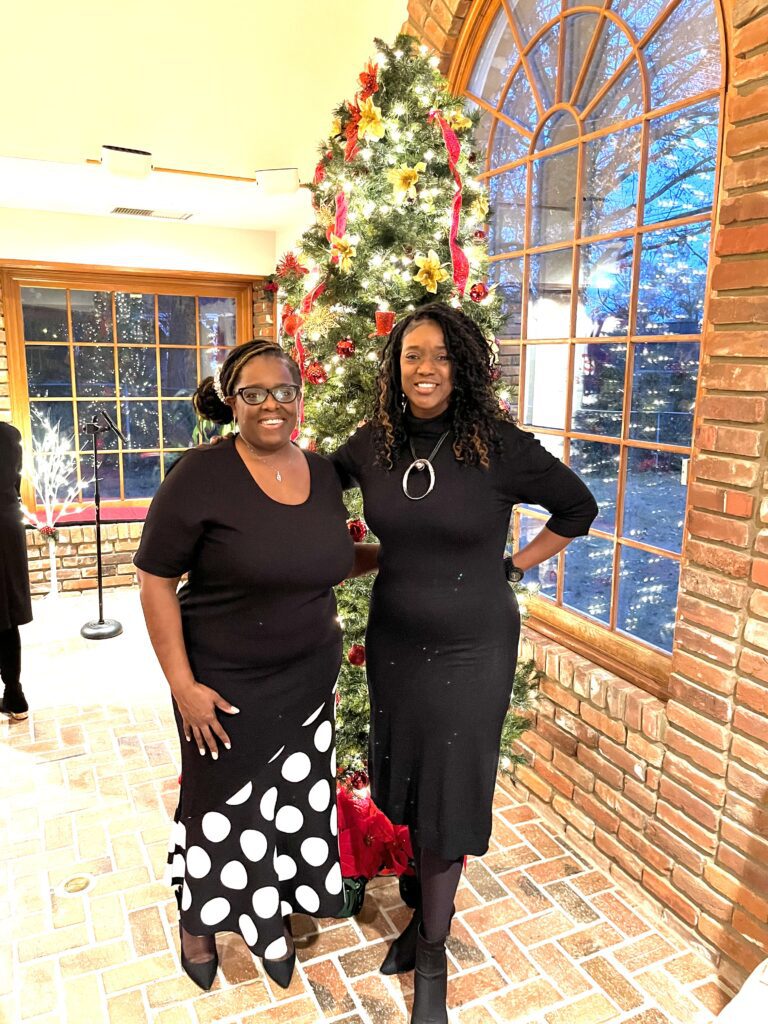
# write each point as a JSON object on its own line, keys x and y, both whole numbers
{"x": 86, "y": 789}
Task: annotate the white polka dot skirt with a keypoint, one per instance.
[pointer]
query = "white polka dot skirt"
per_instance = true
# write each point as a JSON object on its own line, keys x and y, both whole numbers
{"x": 269, "y": 850}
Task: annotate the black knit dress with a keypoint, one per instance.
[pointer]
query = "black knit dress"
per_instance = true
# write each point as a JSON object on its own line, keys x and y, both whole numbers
{"x": 444, "y": 626}
{"x": 15, "y": 600}
{"x": 255, "y": 835}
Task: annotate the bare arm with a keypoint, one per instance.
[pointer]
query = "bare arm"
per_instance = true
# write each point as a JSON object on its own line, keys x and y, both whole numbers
{"x": 366, "y": 560}
{"x": 543, "y": 546}
{"x": 197, "y": 703}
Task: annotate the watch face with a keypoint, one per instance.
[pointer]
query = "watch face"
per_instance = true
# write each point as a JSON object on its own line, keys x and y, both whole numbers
{"x": 515, "y": 575}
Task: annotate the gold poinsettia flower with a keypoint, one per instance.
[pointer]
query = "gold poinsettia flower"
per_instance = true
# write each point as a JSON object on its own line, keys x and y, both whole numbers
{"x": 344, "y": 250}
{"x": 335, "y": 127}
{"x": 430, "y": 272}
{"x": 458, "y": 120}
{"x": 403, "y": 180}
{"x": 319, "y": 322}
{"x": 479, "y": 208}
{"x": 371, "y": 124}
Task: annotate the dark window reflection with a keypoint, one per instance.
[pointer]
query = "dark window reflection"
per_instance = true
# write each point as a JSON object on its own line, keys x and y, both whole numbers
{"x": 176, "y": 317}
{"x": 85, "y": 413}
{"x": 588, "y": 577}
{"x": 45, "y": 314}
{"x": 544, "y": 575}
{"x": 139, "y": 423}
{"x": 109, "y": 476}
{"x": 54, "y": 413}
{"x": 48, "y": 371}
{"x": 506, "y": 224}
{"x": 138, "y": 371}
{"x": 508, "y": 276}
{"x": 179, "y": 422}
{"x": 135, "y": 315}
{"x": 91, "y": 316}
{"x": 648, "y": 587}
{"x": 141, "y": 475}
{"x": 654, "y": 498}
{"x": 598, "y": 466}
{"x": 218, "y": 323}
{"x": 673, "y": 272}
{"x": 598, "y": 388}
{"x": 178, "y": 371}
{"x": 94, "y": 370}
{"x": 664, "y": 391}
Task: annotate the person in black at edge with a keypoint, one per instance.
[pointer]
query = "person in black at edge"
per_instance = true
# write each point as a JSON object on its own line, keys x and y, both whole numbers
{"x": 15, "y": 599}
{"x": 440, "y": 468}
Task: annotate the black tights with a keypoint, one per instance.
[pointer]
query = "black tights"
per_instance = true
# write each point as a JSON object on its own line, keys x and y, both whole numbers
{"x": 439, "y": 880}
{"x": 10, "y": 659}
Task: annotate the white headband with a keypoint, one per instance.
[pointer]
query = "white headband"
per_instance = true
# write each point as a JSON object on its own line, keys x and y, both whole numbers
{"x": 217, "y": 385}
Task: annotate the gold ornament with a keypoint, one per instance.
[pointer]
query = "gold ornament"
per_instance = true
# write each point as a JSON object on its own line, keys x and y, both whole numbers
{"x": 343, "y": 248}
{"x": 324, "y": 216}
{"x": 319, "y": 322}
{"x": 479, "y": 208}
{"x": 371, "y": 124}
{"x": 430, "y": 272}
{"x": 403, "y": 180}
{"x": 458, "y": 120}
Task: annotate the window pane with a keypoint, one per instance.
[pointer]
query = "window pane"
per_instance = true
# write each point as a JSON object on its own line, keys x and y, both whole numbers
{"x": 639, "y": 14}
{"x": 654, "y": 499}
{"x": 549, "y": 298}
{"x": 53, "y": 413}
{"x": 553, "y": 197}
{"x": 482, "y": 132}
{"x": 508, "y": 275}
{"x": 45, "y": 314}
{"x": 598, "y": 388}
{"x": 178, "y": 371}
{"x": 508, "y": 145}
{"x": 546, "y": 382}
{"x": 579, "y": 30}
{"x": 684, "y": 55}
{"x": 218, "y": 324}
{"x": 506, "y": 224}
{"x": 141, "y": 475}
{"x": 496, "y": 60}
{"x": 109, "y": 476}
{"x": 140, "y": 424}
{"x": 588, "y": 576}
{"x": 598, "y": 465}
{"x": 138, "y": 371}
{"x": 611, "y": 168}
{"x": 544, "y": 575}
{"x": 605, "y": 271}
{"x": 542, "y": 60}
{"x": 519, "y": 105}
{"x": 178, "y": 423}
{"x": 612, "y": 50}
{"x": 85, "y": 413}
{"x": 558, "y": 129}
{"x": 48, "y": 370}
{"x": 664, "y": 379}
{"x": 94, "y": 369}
{"x": 135, "y": 318}
{"x": 681, "y": 163}
{"x": 210, "y": 358}
{"x": 176, "y": 317}
{"x": 169, "y": 461}
{"x": 531, "y": 15}
{"x": 622, "y": 102}
{"x": 673, "y": 272}
{"x": 648, "y": 586}
{"x": 91, "y": 316}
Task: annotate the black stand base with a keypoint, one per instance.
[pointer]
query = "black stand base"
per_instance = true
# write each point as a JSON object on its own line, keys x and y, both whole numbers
{"x": 103, "y": 630}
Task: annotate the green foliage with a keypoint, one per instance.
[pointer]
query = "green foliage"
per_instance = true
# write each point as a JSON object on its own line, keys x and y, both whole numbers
{"x": 399, "y": 189}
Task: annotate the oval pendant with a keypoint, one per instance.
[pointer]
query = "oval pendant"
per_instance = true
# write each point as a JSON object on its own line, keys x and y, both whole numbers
{"x": 419, "y": 465}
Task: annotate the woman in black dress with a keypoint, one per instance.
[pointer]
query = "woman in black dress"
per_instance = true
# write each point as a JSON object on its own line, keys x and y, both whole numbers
{"x": 440, "y": 469}
{"x": 15, "y": 600}
{"x": 253, "y": 641}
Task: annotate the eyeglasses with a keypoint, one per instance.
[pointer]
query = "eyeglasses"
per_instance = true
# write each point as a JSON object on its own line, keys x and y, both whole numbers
{"x": 283, "y": 393}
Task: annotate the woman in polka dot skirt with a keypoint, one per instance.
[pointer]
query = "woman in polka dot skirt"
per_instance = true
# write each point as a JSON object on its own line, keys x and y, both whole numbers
{"x": 251, "y": 648}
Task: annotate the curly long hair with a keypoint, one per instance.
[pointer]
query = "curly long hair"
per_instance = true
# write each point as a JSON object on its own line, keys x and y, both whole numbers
{"x": 474, "y": 408}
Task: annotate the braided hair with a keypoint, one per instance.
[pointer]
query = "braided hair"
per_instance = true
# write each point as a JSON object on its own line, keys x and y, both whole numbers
{"x": 206, "y": 400}
{"x": 474, "y": 408}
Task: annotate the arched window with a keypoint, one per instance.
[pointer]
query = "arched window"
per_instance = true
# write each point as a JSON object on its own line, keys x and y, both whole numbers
{"x": 601, "y": 126}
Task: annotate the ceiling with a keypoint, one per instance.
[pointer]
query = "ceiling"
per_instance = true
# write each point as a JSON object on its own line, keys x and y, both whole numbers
{"x": 225, "y": 88}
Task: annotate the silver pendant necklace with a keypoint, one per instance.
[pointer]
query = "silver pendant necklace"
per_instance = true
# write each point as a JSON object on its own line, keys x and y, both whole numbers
{"x": 421, "y": 464}
{"x": 262, "y": 458}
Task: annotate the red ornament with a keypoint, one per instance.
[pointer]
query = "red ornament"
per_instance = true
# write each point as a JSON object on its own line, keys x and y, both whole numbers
{"x": 357, "y": 529}
{"x": 289, "y": 264}
{"x": 345, "y": 348}
{"x": 291, "y": 323}
{"x": 271, "y": 286}
{"x": 356, "y": 655}
{"x": 316, "y": 373}
{"x": 478, "y": 291}
{"x": 480, "y": 234}
{"x": 369, "y": 80}
{"x": 385, "y": 321}
{"x": 360, "y": 780}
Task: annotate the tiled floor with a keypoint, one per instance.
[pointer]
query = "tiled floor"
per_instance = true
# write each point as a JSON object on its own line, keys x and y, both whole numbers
{"x": 87, "y": 785}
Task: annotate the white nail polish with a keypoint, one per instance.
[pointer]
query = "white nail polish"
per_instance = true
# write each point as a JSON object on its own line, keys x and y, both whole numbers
{"x": 214, "y": 755}
{"x": 201, "y": 751}
{"x": 228, "y": 746}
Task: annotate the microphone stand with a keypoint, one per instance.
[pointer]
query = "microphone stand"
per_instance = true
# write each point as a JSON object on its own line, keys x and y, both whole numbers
{"x": 101, "y": 629}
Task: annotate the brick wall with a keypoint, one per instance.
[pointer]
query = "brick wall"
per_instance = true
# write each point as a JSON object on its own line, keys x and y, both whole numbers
{"x": 674, "y": 798}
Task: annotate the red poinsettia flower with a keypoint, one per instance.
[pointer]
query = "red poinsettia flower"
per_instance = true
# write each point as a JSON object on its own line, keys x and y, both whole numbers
{"x": 350, "y": 131}
{"x": 369, "y": 80}
{"x": 271, "y": 286}
{"x": 289, "y": 264}
{"x": 398, "y": 852}
{"x": 357, "y": 529}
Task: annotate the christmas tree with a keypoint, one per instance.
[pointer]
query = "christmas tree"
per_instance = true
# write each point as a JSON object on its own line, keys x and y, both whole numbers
{"x": 399, "y": 221}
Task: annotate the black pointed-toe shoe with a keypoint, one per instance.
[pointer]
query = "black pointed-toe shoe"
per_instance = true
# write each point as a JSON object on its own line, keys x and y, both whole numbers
{"x": 203, "y": 974}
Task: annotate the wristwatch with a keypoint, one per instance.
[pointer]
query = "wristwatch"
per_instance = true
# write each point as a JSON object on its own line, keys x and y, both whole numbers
{"x": 514, "y": 573}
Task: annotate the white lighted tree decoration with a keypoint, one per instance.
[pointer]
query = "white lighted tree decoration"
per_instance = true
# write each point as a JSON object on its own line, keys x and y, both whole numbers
{"x": 56, "y": 489}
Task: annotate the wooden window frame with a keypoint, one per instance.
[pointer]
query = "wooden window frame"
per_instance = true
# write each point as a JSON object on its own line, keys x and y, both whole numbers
{"x": 630, "y": 658}
{"x": 15, "y": 275}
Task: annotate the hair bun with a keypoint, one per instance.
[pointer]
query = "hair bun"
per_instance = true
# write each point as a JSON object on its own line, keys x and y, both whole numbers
{"x": 208, "y": 405}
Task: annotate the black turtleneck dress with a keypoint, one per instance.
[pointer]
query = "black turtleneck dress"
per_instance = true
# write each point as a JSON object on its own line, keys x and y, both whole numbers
{"x": 443, "y": 629}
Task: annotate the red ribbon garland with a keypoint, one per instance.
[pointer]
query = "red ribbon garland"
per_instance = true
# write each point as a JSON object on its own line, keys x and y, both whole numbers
{"x": 340, "y": 223}
{"x": 306, "y": 305}
{"x": 458, "y": 256}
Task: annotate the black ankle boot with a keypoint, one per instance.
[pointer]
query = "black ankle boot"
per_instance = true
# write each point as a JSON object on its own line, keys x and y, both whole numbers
{"x": 431, "y": 982}
{"x": 401, "y": 956}
{"x": 203, "y": 974}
